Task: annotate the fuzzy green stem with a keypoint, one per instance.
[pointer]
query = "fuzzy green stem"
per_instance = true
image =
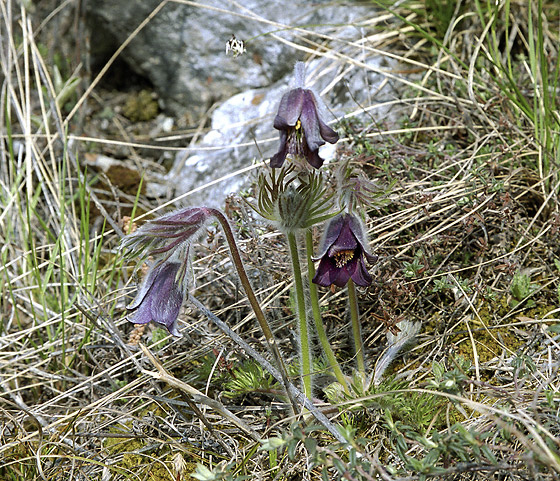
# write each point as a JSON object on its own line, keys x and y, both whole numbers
{"x": 356, "y": 329}
{"x": 321, "y": 332}
{"x": 269, "y": 336}
{"x": 302, "y": 317}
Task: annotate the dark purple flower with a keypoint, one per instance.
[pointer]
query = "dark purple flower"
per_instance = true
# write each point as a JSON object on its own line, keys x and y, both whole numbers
{"x": 167, "y": 241}
{"x": 343, "y": 253}
{"x": 161, "y": 295}
{"x": 302, "y": 131}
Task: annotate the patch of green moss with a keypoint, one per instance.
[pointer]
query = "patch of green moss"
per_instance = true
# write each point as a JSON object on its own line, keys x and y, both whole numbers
{"x": 144, "y": 464}
{"x": 141, "y": 106}
{"x": 539, "y": 312}
{"x": 117, "y": 445}
{"x": 496, "y": 309}
{"x": 489, "y": 343}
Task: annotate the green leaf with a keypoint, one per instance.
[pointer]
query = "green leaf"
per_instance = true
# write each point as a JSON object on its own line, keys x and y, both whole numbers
{"x": 310, "y": 444}
{"x": 202, "y": 473}
{"x": 415, "y": 464}
{"x": 438, "y": 370}
{"x": 292, "y": 446}
{"x": 271, "y": 444}
{"x": 432, "y": 457}
{"x": 488, "y": 454}
{"x": 339, "y": 465}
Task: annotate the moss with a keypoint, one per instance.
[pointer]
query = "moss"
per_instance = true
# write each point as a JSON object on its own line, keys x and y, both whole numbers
{"x": 141, "y": 106}
{"x": 490, "y": 311}
{"x": 539, "y": 312}
{"x": 489, "y": 343}
{"x": 144, "y": 464}
{"x": 117, "y": 445}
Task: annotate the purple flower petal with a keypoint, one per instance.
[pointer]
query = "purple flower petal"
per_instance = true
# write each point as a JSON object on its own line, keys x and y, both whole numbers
{"x": 310, "y": 122}
{"x": 167, "y": 297}
{"x": 289, "y": 110}
{"x": 143, "y": 314}
{"x": 325, "y": 272}
{"x": 278, "y": 159}
{"x": 358, "y": 272}
{"x": 281, "y": 124}
{"x": 334, "y": 226}
{"x": 340, "y": 277}
{"x": 345, "y": 241}
{"x": 359, "y": 231}
{"x": 327, "y": 133}
{"x": 145, "y": 286}
{"x": 343, "y": 249}
{"x": 314, "y": 159}
{"x": 160, "y": 297}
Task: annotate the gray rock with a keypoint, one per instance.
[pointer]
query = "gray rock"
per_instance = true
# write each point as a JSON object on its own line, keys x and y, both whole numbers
{"x": 241, "y": 134}
{"x": 181, "y": 50}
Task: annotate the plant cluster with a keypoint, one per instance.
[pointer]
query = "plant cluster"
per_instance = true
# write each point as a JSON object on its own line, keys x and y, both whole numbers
{"x": 461, "y": 239}
{"x": 294, "y": 199}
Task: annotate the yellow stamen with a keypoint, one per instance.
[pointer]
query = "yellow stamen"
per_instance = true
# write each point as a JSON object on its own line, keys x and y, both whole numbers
{"x": 298, "y": 125}
{"x": 343, "y": 257}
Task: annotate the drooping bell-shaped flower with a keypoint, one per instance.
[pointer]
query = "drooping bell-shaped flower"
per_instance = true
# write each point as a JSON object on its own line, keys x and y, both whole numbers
{"x": 343, "y": 253}
{"x": 160, "y": 296}
{"x": 302, "y": 130}
{"x": 166, "y": 240}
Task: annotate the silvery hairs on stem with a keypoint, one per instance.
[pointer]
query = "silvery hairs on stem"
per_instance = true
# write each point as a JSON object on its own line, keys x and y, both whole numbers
{"x": 397, "y": 342}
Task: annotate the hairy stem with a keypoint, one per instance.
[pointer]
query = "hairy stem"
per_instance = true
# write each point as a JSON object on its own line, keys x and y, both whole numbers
{"x": 269, "y": 336}
{"x": 321, "y": 333}
{"x": 302, "y": 317}
{"x": 356, "y": 328}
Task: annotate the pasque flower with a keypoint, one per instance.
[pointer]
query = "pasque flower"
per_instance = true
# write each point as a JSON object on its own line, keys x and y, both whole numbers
{"x": 343, "y": 253}
{"x": 302, "y": 131}
{"x": 161, "y": 295}
{"x": 167, "y": 241}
